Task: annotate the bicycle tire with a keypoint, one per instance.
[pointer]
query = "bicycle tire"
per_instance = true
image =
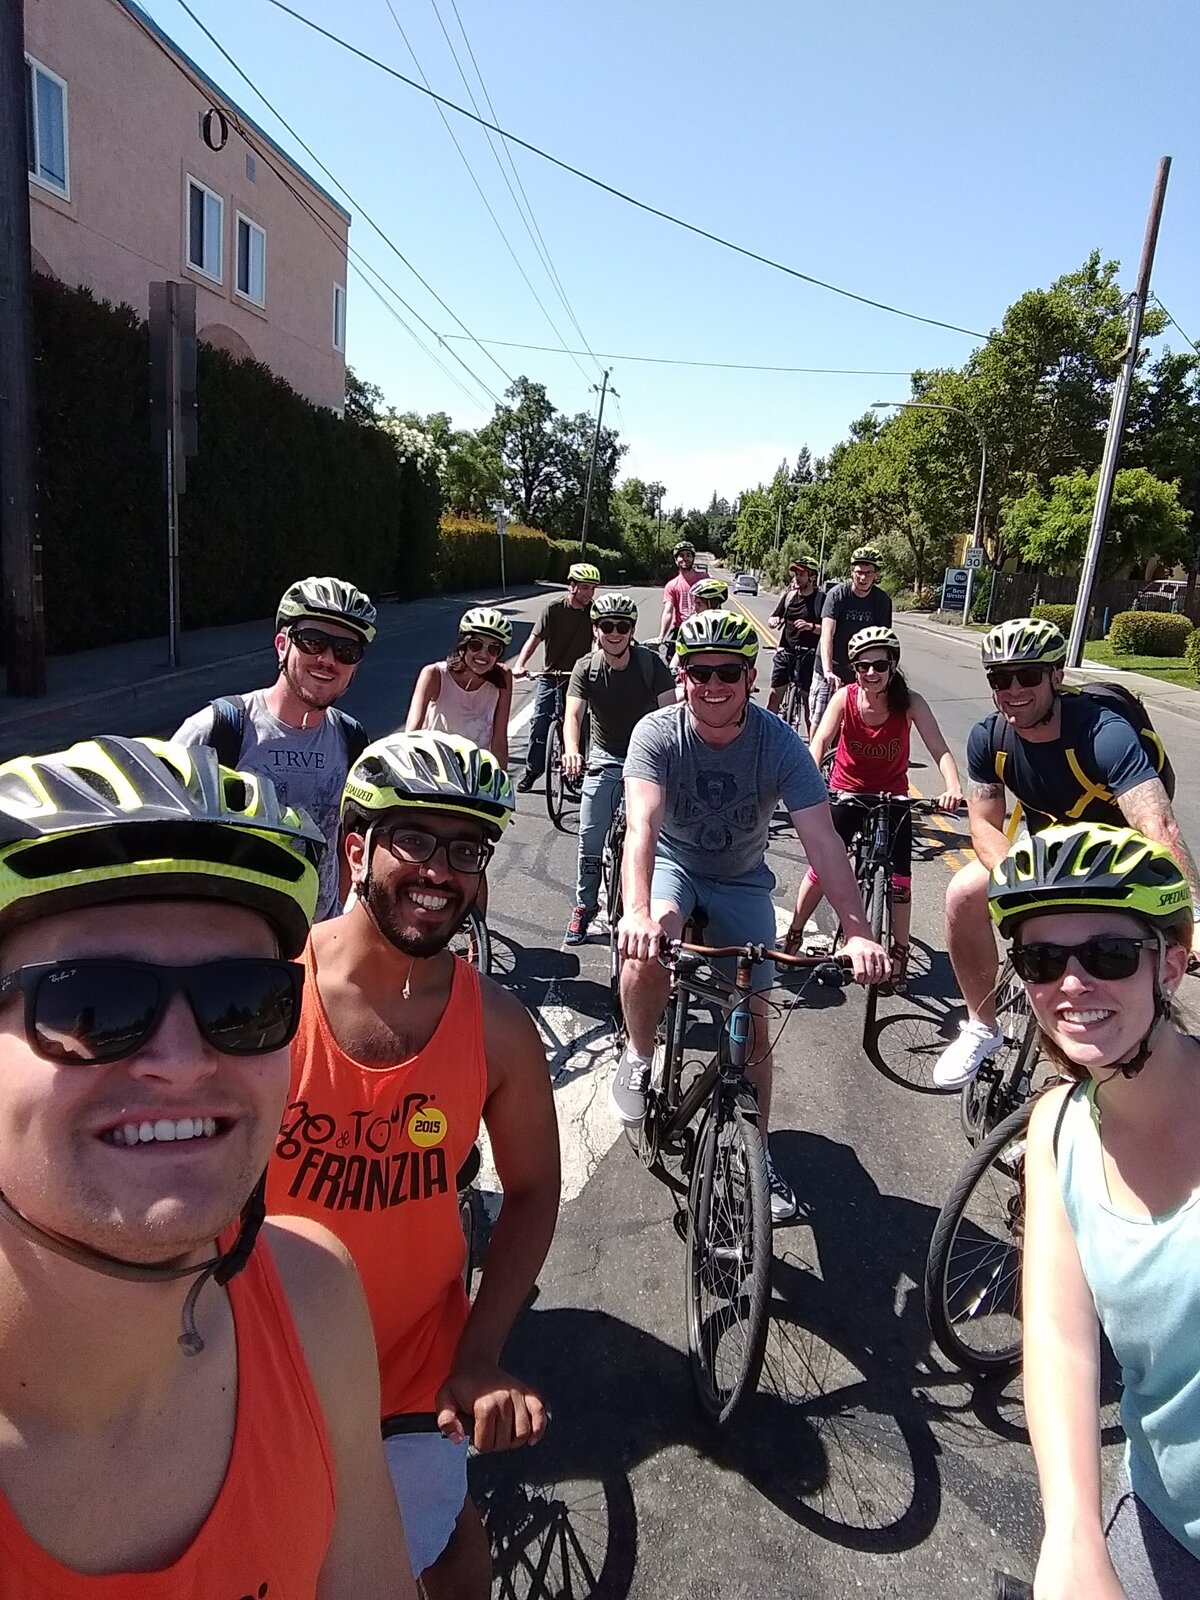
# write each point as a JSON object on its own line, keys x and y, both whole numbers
{"x": 613, "y": 902}
{"x": 984, "y": 1278}
{"x": 879, "y": 912}
{"x": 988, "y": 1099}
{"x": 556, "y": 784}
{"x": 473, "y": 1221}
{"x": 662, "y": 1096}
{"x": 473, "y": 943}
{"x": 729, "y": 1253}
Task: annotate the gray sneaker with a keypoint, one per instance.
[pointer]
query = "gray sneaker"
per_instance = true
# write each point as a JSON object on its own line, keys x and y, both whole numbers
{"x": 627, "y": 1089}
{"x": 784, "y": 1205}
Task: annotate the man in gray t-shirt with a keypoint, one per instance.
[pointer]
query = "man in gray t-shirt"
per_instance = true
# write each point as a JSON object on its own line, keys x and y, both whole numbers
{"x": 292, "y": 733}
{"x": 701, "y": 782}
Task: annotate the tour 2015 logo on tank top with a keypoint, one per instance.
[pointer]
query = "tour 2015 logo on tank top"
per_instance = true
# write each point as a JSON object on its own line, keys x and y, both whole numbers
{"x": 365, "y": 1160}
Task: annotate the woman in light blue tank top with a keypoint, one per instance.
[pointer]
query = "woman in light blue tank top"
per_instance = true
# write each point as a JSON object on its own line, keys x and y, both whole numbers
{"x": 1101, "y": 923}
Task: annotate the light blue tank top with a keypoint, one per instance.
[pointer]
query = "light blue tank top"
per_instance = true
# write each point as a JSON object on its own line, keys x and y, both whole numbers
{"x": 1144, "y": 1274}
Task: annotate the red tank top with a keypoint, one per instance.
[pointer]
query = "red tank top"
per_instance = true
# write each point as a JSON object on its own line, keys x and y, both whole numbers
{"x": 372, "y": 1153}
{"x": 270, "y": 1526}
{"x": 871, "y": 760}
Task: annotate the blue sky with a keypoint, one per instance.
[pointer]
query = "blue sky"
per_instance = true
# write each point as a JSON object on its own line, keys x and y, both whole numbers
{"x": 940, "y": 155}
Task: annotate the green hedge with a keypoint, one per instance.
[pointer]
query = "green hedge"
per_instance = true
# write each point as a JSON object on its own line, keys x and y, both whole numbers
{"x": 564, "y": 552}
{"x": 1191, "y": 651}
{"x": 1149, "y": 633}
{"x": 279, "y": 489}
{"x": 1061, "y": 616}
{"x": 469, "y": 554}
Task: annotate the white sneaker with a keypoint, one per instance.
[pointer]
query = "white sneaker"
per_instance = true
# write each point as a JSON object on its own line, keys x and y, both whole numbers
{"x": 961, "y": 1060}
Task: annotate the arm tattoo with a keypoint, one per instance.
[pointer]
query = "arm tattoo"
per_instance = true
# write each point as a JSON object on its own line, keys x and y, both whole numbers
{"x": 987, "y": 791}
{"x": 1147, "y": 808}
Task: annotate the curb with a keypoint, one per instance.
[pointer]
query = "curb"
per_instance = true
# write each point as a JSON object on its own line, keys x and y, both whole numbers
{"x": 122, "y": 691}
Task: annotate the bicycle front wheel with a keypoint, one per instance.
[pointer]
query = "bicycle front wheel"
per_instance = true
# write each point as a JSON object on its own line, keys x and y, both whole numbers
{"x": 556, "y": 783}
{"x": 472, "y": 943}
{"x": 973, "y": 1276}
{"x": 728, "y": 1256}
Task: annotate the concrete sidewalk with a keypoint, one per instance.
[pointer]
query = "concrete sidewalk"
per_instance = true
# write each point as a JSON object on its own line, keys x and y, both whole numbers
{"x": 1156, "y": 695}
{"x": 130, "y": 684}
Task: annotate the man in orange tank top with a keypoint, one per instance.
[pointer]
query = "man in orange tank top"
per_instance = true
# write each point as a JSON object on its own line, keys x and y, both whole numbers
{"x": 401, "y": 1050}
{"x": 183, "y": 1410}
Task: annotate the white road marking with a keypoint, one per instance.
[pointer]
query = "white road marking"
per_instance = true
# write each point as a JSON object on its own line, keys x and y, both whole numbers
{"x": 517, "y": 722}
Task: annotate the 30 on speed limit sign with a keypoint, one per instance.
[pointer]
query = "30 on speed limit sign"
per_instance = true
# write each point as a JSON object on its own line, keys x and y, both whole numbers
{"x": 974, "y": 558}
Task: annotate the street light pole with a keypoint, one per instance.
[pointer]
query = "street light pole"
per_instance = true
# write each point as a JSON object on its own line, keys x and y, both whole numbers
{"x": 977, "y": 531}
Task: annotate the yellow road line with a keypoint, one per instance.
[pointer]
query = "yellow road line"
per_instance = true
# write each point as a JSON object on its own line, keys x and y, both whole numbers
{"x": 760, "y": 628}
{"x": 950, "y": 857}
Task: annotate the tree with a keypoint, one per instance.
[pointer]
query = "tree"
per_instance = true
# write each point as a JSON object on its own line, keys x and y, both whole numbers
{"x": 364, "y": 401}
{"x": 1145, "y": 522}
{"x": 522, "y": 434}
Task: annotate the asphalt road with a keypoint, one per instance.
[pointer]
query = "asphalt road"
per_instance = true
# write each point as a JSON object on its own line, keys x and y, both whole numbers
{"x": 864, "y": 1466}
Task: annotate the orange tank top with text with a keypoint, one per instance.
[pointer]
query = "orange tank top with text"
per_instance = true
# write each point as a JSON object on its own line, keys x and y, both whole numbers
{"x": 372, "y": 1153}
{"x": 270, "y": 1526}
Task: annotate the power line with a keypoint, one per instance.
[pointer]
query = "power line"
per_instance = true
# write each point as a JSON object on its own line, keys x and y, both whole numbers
{"x": 395, "y": 249}
{"x": 619, "y": 194}
{"x": 1174, "y": 324}
{"x": 531, "y": 222}
{"x": 466, "y": 161}
{"x": 674, "y": 361}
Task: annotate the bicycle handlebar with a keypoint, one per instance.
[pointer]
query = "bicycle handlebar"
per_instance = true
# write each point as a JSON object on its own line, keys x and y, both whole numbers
{"x": 870, "y": 801}
{"x": 842, "y": 965}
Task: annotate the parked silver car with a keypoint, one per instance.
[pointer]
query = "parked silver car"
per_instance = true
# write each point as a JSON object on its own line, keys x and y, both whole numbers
{"x": 745, "y": 583}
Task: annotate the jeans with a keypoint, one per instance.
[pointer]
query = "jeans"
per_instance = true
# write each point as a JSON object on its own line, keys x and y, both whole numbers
{"x": 546, "y": 701}
{"x": 601, "y": 791}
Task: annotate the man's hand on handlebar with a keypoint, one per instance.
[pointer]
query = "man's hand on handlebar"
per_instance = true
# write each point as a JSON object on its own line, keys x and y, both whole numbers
{"x": 520, "y": 672}
{"x": 869, "y": 961}
{"x": 949, "y": 800}
{"x": 639, "y": 936}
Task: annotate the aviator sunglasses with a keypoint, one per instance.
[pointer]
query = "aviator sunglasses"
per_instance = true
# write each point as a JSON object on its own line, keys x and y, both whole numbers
{"x": 727, "y": 672}
{"x": 1003, "y": 677}
{"x": 92, "y": 1011}
{"x": 1109, "y": 956}
{"x": 312, "y": 641}
{"x": 475, "y": 641}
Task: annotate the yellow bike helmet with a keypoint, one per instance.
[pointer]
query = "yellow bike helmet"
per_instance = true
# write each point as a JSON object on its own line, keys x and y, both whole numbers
{"x": 583, "y": 572}
{"x": 327, "y": 600}
{"x": 722, "y": 632}
{"x": 867, "y": 638}
{"x": 714, "y": 591}
{"x": 430, "y": 772}
{"x": 488, "y": 623}
{"x": 866, "y": 555}
{"x": 1024, "y": 641}
{"x": 139, "y": 819}
{"x": 1086, "y": 866}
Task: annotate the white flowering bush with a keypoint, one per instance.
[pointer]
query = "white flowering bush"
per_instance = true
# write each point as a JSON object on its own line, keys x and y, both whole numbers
{"x": 414, "y": 447}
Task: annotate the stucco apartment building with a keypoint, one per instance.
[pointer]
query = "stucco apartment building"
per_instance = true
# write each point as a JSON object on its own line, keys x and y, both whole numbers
{"x": 141, "y": 168}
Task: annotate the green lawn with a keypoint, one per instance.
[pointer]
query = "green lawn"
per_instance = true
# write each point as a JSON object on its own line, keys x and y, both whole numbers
{"x": 1169, "y": 669}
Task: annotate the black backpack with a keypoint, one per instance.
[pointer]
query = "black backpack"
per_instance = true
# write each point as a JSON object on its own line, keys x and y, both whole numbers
{"x": 1116, "y": 698}
{"x": 229, "y": 729}
{"x": 645, "y": 662}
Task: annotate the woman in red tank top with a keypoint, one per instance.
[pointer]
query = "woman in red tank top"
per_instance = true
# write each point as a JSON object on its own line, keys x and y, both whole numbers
{"x": 868, "y": 723}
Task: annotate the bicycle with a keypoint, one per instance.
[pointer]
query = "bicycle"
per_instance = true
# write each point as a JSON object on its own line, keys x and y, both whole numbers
{"x": 472, "y": 942}
{"x": 722, "y": 1169}
{"x": 612, "y": 861}
{"x": 793, "y": 708}
{"x": 560, "y": 790}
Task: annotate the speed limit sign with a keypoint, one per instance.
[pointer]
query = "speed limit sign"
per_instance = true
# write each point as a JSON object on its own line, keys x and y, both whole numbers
{"x": 974, "y": 558}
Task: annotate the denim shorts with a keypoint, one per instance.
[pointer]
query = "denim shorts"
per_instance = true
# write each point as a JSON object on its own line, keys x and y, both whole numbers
{"x": 429, "y": 1477}
{"x": 737, "y": 910}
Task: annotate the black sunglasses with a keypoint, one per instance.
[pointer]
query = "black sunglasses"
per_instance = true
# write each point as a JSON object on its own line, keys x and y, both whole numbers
{"x": 92, "y": 1011}
{"x": 727, "y": 672}
{"x": 609, "y": 625}
{"x": 862, "y": 667}
{"x": 1108, "y": 956}
{"x": 414, "y": 846}
{"x": 313, "y": 641}
{"x": 1027, "y": 677}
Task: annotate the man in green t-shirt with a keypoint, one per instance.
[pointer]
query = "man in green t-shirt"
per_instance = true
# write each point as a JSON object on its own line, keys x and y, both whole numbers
{"x": 618, "y": 684}
{"x": 564, "y": 630}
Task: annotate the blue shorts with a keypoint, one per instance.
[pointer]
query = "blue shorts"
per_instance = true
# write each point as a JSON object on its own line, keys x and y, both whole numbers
{"x": 737, "y": 910}
{"x": 429, "y": 1476}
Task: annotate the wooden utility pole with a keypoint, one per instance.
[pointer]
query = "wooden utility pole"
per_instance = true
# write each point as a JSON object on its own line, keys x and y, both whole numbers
{"x": 1116, "y": 421}
{"x": 591, "y": 477}
{"x": 20, "y": 548}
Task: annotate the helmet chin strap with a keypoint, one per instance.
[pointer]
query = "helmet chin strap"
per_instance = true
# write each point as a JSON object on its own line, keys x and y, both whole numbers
{"x": 219, "y": 1268}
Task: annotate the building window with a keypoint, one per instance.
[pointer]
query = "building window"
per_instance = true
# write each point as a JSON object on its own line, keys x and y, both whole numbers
{"x": 251, "y": 261}
{"x": 206, "y": 214}
{"x": 339, "y": 317}
{"x": 46, "y": 127}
